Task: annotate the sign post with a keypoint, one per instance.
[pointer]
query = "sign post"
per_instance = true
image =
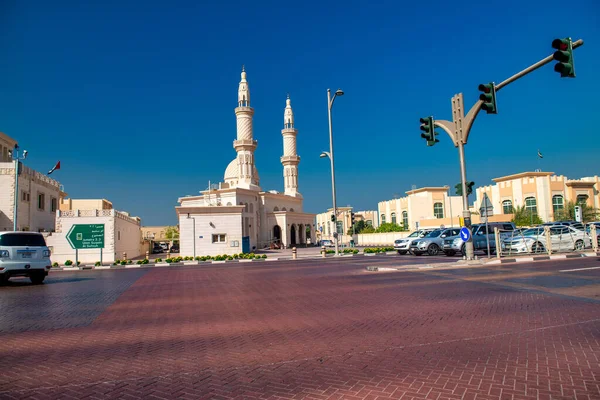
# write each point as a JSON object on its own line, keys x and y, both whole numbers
{"x": 86, "y": 236}
{"x": 486, "y": 210}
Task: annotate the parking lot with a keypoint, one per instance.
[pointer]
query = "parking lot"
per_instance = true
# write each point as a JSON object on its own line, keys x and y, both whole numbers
{"x": 321, "y": 329}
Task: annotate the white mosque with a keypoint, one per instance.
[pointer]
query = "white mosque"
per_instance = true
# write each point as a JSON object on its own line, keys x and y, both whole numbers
{"x": 237, "y": 215}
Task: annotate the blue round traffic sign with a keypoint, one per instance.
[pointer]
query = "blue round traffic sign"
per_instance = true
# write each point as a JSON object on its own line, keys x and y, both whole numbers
{"x": 465, "y": 234}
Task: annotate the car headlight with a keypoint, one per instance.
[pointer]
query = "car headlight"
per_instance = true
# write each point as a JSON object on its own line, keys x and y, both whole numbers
{"x": 457, "y": 241}
{"x": 4, "y": 254}
{"x": 425, "y": 243}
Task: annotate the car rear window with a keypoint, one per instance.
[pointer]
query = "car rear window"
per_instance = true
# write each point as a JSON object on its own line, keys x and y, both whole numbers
{"x": 22, "y": 239}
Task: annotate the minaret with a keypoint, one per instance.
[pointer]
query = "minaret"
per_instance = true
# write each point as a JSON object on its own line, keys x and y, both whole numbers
{"x": 290, "y": 159}
{"x": 245, "y": 144}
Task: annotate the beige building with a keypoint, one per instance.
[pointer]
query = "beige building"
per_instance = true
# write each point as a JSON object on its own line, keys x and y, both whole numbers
{"x": 38, "y": 198}
{"x": 325, "y": 227}
{"x": 85, "y": 204}
{"x": 427, "y": 206}
{"x": 541, "y": 192}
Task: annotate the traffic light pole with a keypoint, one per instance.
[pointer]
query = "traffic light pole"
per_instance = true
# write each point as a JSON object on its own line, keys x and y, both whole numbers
{"x": 460, "y": 127}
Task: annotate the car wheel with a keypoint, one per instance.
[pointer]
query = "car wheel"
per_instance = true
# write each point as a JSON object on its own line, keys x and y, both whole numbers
{"x": 433, "y": 249}
{"x": 402, "y": 252}
{"x": 537, "y": 247}
{"x": 37, "y": 279}
{"x": 463, "y": 249}
{"x": 449, "y": 253}
{"x": 417, "y": 253}
{"x": 579, "y": 245}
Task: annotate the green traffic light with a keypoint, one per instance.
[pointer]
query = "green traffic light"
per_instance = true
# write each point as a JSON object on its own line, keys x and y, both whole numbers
{"x": 488, "y": 97}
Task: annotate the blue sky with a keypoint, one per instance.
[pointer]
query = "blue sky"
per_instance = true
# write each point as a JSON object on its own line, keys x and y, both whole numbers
{"x": 136, "y": 99}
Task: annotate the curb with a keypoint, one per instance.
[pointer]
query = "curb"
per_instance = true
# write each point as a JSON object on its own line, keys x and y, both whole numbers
{"x": 541, "y": 258}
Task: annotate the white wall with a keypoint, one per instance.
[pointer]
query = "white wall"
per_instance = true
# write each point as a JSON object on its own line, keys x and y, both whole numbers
{"x": 229, "y": 224}
{"x": 127, "y": 237}
{"x": 380, "y": 239}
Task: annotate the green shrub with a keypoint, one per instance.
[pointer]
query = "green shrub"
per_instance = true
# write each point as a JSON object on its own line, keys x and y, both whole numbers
{"x": 169, "y": 260}
{"x": 123, "y": 262}
{"x": 145, "y": 261}
{"x": 129, "y": 261}
{"x": 230, "y": 258}
{"x": 68, "y": 262}
{"x": 97, "y": 264}
{"x": 55, "y": 265}
{"x": 264, "y": 256}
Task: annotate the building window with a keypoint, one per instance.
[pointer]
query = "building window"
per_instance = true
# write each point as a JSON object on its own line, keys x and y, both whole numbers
{"x": 369, "y": 222}
{"x": 218, "y": 238}
{"x": 531, "y": 205}
{"x": 340, "y": 227}
{"x": 582, "y": 198}
{"x": 507, "y": 207}
{"x": 275, "y": 208}
{"x": 438, "y": 210}
{"x": 25, "y": 196}
{"x": 405, "y": 219}
{"x": 118, "y": 235}
{"x": 53, "y": 204}
{"x": 41, "y": 201}
{"x": 383, "y": 218}
{"x": 558, "y": 203}
{"x": 393, "y": 218}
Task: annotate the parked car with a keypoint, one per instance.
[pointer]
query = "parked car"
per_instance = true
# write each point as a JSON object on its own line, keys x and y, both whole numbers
{"x": 455, "y": 244}
{"x": 24, "y": 254}
{"x": 327, "y": 243}
{"x": 562, "y": 238}
{"x": 433, "y": 242}
{"x": 175, "y": 248}
{"x": 402, "y": 246}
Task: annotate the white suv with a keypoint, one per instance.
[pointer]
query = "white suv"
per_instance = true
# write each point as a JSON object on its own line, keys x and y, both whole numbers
{"x": 24, "y": 254}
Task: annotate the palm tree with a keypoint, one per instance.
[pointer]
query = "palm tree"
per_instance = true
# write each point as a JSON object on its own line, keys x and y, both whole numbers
{"x": 525, "y": 217}
{"x": 567, "y": 213}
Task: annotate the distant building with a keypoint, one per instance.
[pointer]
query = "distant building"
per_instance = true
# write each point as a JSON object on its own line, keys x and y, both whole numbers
{"x": 541, "y": 192}
{"x": 156, "y": 233}
{"x": 325, "y": 227}
{"x": 38, "y": 197}
{"x": 427, "y": 206}
{"x": 85, "y": 204}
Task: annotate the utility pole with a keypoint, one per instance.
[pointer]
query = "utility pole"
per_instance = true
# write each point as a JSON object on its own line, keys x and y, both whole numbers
{"x": 460, "y": 127}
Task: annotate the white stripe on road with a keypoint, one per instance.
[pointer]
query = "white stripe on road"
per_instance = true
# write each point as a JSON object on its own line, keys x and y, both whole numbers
{"x": 578, "y": 269}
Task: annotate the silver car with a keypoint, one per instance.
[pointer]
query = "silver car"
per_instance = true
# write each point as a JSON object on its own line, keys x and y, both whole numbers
{"x": 432, "y": 243}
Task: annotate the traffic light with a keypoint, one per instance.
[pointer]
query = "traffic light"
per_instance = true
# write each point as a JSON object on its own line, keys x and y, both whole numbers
{"x": 564, "y": 56}
{"x": 332, "y": 217}
{"x": 488, "y": 97}
{"x": 428, "y": 128}
{"x": 352, "y": 218}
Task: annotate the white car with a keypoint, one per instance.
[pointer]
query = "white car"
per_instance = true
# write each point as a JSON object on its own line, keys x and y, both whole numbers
{"x": 562, "y": 238}
{"x": 24, "y": 254}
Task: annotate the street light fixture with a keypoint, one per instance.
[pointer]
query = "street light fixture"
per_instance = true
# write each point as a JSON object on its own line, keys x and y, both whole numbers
{"x": 329, "y": 154}
{"x": 14, "y": 154}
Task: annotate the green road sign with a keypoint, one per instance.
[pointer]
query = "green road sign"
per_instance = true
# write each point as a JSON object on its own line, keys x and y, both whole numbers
{"x": 86, "y": 236}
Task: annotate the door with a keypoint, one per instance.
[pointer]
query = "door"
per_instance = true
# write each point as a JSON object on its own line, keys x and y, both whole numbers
{"x": 246, "y": 244}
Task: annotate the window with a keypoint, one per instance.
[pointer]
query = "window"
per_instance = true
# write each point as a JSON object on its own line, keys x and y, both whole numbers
{"x": 25, "y": 196}
{"x": 218, "y": 238}
{"x": 438, "y": 210}
{"x": 276, "y": 208}
{"x": 531, "y": 205}
{"x": 118, "y": 235}
{"x": 22, "y": 239}
{"x": 291, "y": 210}
{"x": 383, "y": 218}
{"x": 53, "y": 204}
{"x": 507, "y": 207}
{"x": 405, "y": 219}
{"x": 582, "y": 198}
{"x": 370, "y": 222}
{"x": 41, "y": 201}
{"x": 558, "y": 203}
{"x": 393, "y": 218}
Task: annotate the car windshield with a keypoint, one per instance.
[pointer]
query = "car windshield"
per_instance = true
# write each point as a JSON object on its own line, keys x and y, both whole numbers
{"x": 532, "y": 232}
{"x": 434, "y": 234}
{"x": 22, "y": 239}
{"x": 414, "y": 234}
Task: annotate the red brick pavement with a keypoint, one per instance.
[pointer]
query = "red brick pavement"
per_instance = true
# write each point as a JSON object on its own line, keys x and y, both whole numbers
{"x": 308, "y": 332}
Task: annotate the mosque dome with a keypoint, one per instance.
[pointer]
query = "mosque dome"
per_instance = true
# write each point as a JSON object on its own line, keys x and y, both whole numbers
{"x": 232, "y": 173}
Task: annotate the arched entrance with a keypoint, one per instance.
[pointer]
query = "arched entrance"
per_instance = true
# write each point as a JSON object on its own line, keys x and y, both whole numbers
{"x": 277, "y": 233}
{"x": 301, "y": 234}
{"x": 293, "y": 235}
{"x": 308, "y": 234}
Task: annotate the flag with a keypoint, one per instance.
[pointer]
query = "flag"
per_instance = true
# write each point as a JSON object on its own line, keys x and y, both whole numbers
{"x": 57, "y": 166}
{"x": 540, "y": 155}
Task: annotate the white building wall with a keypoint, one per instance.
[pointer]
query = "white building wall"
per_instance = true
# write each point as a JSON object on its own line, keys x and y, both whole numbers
{"x": 229, "y": 224}
{"x": 30, "y": 216}
{"x": 127, "y": 236}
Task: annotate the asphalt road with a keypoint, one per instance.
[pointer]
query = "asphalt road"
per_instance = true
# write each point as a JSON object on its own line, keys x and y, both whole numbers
{"x": 320, "y": 329}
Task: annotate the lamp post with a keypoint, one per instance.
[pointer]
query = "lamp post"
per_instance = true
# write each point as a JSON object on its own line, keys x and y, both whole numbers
{"x": 193, "y": 232}
{"x": 329, "y": 154}
{"x": 14, "y": 154}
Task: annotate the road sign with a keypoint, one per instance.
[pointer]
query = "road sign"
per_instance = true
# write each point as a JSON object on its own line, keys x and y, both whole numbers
{"x": 486, "y": 209}
{"x": 465, "y": 234}
{"x": 86, "y": 236}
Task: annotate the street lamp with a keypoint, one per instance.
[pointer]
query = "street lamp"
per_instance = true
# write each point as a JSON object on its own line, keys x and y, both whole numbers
{"x": 193, "y": 232}
{"x": 14, "y": 154}
{"x": 329, "y": 154}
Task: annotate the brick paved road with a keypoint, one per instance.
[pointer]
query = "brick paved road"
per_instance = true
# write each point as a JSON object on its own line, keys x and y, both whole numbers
{"x": 327, "y": 330}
